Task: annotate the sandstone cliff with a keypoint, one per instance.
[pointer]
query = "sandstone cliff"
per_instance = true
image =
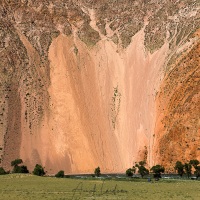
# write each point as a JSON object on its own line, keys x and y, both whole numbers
{"x": 87, "y": 83}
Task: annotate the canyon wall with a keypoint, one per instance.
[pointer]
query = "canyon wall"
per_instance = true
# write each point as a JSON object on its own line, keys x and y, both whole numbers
{"x": 99, "y": 83}
{"x": 177, "y": 132}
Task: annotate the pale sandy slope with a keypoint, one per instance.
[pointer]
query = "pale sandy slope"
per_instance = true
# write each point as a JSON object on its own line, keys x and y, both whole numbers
{"x": 83, "y": 128}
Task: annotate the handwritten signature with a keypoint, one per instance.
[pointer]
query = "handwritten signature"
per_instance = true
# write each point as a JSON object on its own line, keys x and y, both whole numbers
{"x": 94, "y": 191}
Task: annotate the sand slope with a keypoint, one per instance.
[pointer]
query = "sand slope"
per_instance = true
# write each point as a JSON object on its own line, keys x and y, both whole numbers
{"x": 101, "y": 106}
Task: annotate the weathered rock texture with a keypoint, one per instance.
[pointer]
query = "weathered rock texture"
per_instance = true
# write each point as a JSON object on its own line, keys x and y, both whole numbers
{"x": 87, "y": 83}
{"x": 177, "y": 132}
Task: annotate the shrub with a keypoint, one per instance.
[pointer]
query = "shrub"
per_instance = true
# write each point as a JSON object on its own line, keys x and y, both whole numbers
{"x": 38, "y": 170}
{"x": 97, "y": 172}
{"x": 179, "y": 167}
{"x": 2, "y": 171}
{"x": 188, "y": 169}
{"x": 142, "y": 170}
{"x": 129, "y": 172}
{"x": 24, "y": 169}
{"x": 20, "y": 169}
{"x": 157, "y": 170}
{"x": 142, "y": 163}
{"x": 16, "y": 169}
{"x": 16, "y": 162}
{"x": 194, "y": 163}
{"x": 60, "y": 174}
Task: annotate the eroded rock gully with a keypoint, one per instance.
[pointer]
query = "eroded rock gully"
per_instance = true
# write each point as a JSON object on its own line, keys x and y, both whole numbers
{"x": 99, "y": 83}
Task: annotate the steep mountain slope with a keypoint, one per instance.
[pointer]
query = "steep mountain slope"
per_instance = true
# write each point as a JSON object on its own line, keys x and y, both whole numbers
{"x": 98, "y": 83}
{"x": 177, "y": 132}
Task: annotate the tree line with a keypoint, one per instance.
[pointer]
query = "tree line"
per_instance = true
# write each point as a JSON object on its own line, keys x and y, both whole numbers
{"x": 140, "y": 168}
{"x": 18, "y": 167}
{"x": 157, "y": 170}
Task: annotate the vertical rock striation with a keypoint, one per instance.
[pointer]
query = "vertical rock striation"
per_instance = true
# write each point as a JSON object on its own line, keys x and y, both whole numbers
{"x": 81, "y": 83}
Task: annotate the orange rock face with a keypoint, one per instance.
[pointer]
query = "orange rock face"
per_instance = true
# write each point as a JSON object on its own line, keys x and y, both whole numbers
{"x": 177, "y": 131}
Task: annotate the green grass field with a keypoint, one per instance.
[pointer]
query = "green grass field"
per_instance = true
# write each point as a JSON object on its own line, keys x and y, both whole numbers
{"x": 20, "y": 187}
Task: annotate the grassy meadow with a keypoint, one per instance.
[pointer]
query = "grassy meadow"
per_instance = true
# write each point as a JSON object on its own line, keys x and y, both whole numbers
{"x": 29, "y": 187}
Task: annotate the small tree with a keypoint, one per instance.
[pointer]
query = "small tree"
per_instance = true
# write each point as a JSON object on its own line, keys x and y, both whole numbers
{"x": 194, "y": 163}
{"x": 179, "y": 167}
{"x": 38, "y": 170}
{"x": 129, "y": 172}
{"x": 188, "y": 169}
{"x": 97, "y": 172}
{"x": 142, "y": 163}
{"x": 142, "y": 170}
{"x": 17, "y": 168}
{"x": 2, "y": 171}
{"x": 16, "y": 162}
{"x": 24, "y": 169}
{"x": 157, "y": 170}
{"x": 60, "y": 174}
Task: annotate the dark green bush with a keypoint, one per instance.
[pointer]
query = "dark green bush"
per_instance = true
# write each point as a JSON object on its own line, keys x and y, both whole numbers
{"x": 129, "y": 172}
{"x": 20, "y": 169}
{"x": 97, "y": 172}
{"x": 16, "y": 169}
{"x": 38, "y": 170}
{"x": 16, "y": 162}
{"x": 24, "y": 169}
{"x": 188, "y": 169}
{"x": 142, "y": 170}
{"x": 2, "y": 171}
{"x": 60, "y": 174}
{"x": 179, "y": 167}
{"x": 157, "y": 170}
